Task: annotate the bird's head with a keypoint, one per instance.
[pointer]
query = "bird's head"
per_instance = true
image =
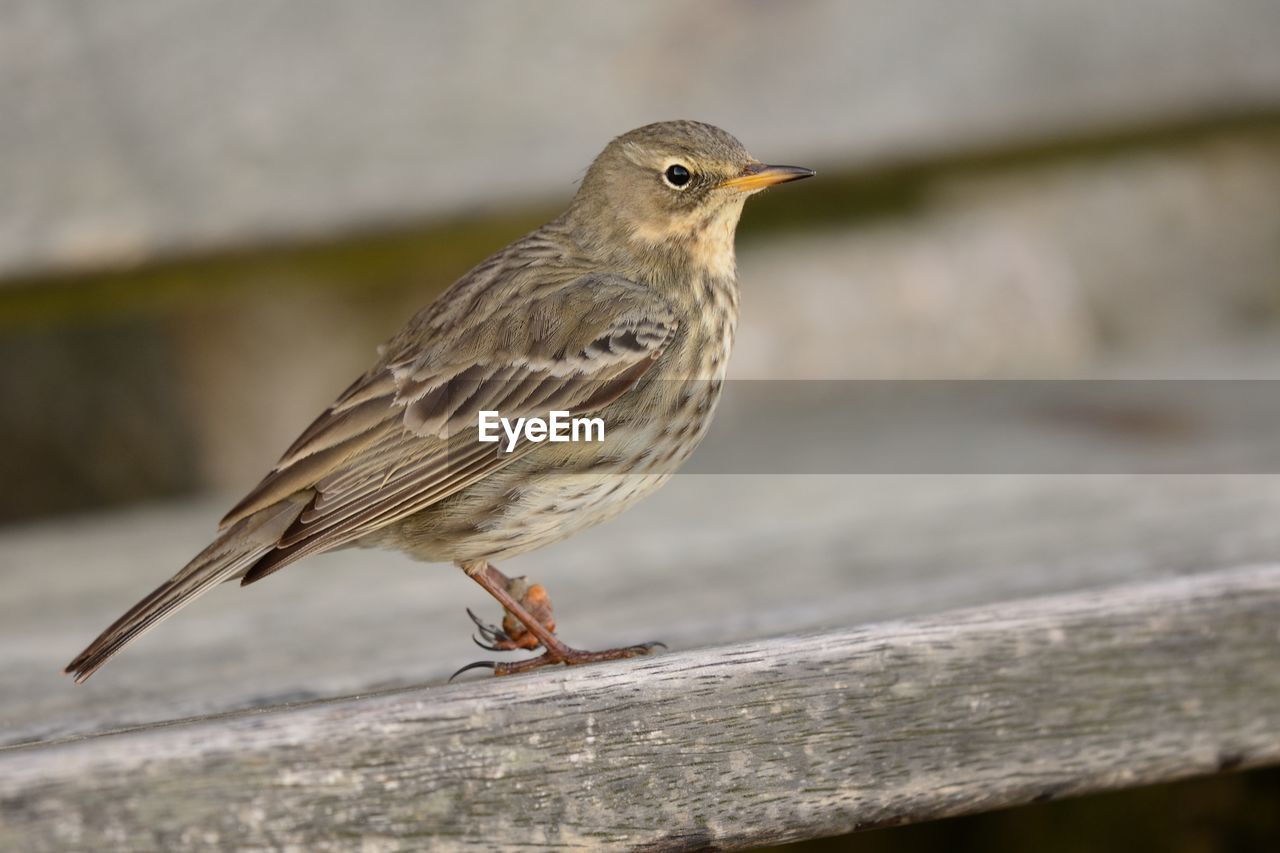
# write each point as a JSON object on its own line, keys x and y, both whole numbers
{"x": 675, "y": 188}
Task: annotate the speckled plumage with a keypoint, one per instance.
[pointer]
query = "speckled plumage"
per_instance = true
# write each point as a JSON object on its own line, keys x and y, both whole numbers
{"x": 623, "y": 307}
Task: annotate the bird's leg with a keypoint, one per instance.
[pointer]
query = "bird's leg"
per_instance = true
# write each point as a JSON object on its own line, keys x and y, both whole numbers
{"x": 500, "y": 587}
{"x": 513, "y": 634}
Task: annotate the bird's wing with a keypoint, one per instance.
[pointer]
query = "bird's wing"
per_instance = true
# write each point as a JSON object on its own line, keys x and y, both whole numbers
{"x": 404, "y": 436}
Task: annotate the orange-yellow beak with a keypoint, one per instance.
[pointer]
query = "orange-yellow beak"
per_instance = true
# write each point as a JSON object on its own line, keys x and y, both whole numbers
{"x": 757, "y": 176}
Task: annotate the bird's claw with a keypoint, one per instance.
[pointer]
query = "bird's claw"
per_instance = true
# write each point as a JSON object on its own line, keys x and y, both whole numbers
{"x": 480, "y": 664}
{"x": 565, "y": 656}
{"x": 494, "y": 639}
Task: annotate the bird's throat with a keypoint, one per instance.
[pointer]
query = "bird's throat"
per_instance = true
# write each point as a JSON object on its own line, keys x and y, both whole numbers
{"x": 705, "y": 239}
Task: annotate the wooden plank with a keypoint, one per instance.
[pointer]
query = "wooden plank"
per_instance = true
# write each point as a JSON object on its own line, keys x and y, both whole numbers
{"x": 764, "y": 741}
{"x": 155, "y": 127}
{"x": 707, "y": 561}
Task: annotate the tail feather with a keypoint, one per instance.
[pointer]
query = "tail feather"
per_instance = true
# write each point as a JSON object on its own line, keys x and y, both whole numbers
{"x": 228, "y": 557}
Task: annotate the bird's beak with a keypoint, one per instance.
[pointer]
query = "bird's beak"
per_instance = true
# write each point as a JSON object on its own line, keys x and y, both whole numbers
{"x": 757, "y": 176}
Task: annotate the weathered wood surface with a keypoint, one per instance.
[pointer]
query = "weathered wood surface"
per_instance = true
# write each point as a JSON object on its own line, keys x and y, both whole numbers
{"x": 710, "y": 560}
{"x": 761, "y": 741}
{"x": 153, "y": 127}
{"x": 856, "y": 548}
{"x": 1172, "y": 677}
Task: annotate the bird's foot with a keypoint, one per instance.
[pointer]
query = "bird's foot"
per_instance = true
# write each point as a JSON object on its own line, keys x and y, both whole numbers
{"x": 528, "y": 624}
{"x": 513, "y": 634}
{"x": 560, "y": 655}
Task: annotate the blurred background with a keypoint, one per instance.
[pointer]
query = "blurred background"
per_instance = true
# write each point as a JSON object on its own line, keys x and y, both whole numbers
{"x": 210, "y": 215}
{"x": 209, "y": 218}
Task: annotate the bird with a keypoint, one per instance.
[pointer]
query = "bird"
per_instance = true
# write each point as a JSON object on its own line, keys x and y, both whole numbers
{"x": 623, "y": 308}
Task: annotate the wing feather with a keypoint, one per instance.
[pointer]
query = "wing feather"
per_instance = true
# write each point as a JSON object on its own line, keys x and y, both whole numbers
{"x": 375, "y": 458}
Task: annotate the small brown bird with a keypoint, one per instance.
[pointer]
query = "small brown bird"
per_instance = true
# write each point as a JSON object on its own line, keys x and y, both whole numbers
{"x": 623, "y": 309}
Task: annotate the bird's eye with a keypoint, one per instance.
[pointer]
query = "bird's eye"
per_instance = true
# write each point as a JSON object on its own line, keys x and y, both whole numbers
{"x": 677, "y": 176}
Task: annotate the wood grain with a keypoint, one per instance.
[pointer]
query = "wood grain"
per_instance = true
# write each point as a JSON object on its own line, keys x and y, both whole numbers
{"x": 763, "y": 741}
{"x": 738, "y": 558}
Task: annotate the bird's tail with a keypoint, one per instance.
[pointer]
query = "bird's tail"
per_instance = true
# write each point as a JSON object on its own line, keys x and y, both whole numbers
{"x": 232, "y": 554}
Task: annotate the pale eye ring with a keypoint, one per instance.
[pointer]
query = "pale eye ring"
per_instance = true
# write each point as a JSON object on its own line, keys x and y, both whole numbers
{"x": 677, "y": 176}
